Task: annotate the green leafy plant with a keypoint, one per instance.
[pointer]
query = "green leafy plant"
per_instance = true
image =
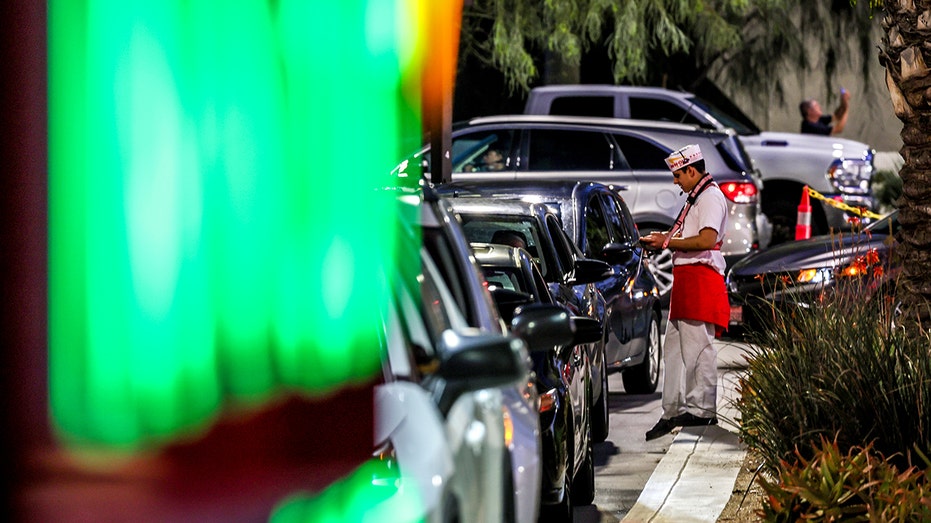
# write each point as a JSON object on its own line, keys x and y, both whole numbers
{"x": 837, "y": 366}
{"x": 861, "y": 485}
{"x": 887, "y": 188}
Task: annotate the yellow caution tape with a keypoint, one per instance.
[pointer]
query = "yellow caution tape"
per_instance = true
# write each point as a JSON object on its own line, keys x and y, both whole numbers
{"x": 859, "y": 211}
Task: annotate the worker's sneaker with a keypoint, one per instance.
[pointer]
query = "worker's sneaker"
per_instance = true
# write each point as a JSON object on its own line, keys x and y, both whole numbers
{"x": 690, "y": 420}
{"x": 663, "y": 426}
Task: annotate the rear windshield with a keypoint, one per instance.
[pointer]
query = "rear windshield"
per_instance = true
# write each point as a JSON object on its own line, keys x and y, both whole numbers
{"x": 734, "y": 155}
{"x": 742, "y": 128}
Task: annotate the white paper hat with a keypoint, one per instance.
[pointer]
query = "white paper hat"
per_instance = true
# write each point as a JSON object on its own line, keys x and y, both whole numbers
{"x": 684, "y": 156}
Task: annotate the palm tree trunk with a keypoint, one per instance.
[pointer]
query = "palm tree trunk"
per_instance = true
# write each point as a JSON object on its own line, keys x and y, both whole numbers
{"x": 905, "y": 55}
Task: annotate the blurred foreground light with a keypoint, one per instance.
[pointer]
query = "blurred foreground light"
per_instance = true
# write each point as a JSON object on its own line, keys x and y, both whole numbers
{"x": 207, "y": 204}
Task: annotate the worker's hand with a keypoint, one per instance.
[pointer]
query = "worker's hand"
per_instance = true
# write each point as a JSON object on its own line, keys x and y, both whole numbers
{"x": 653, "y": 241}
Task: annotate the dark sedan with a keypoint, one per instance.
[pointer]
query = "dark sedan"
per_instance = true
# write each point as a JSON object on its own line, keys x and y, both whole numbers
{"x": 562, "y": 378}
{"x": 596, "y": 218}
{"x": 572, "y": 277}
{"x": 805, "y": 272}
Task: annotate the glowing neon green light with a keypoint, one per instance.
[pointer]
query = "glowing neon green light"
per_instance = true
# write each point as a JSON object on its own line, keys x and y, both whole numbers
{"x": 213, "y": 232}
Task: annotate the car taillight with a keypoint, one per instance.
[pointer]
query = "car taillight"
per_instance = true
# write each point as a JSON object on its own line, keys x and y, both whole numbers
{"x": 739, "y": 192}
{"x": 508, "y": 427}
{"x": 548, "y": 400}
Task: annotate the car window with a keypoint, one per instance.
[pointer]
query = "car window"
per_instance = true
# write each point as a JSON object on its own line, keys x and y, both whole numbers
{"x": 482, "y": 228}
{"x": 542, "y": 289}
{"x": 596, "y": 229}
{"x": 444, "y": 258}
{"x": 440, "y": 310}
{"x": 570, "y": 150}
{"x": 641, "y": 154}
{"x": 660, "y": 110}
{"x": 583, "y": 106}
{"x": 400, "y": 341}
{"x": 888, "y": 224}
{"x": 561, "y": 243}
{"x": 504, "y": 278}
{"x": 482, "y": 151}
{"x": 415, "y": 323}
{"x": 618, "y": 215}
{"x": 732, "y": 158}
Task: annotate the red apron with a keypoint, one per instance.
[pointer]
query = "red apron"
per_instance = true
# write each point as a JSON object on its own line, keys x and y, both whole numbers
{"x": 699, "y": 293}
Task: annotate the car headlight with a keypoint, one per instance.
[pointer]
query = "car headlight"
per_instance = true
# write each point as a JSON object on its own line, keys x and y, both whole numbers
{"x": 821, "y": 275}
{"x": 851, "y": 176}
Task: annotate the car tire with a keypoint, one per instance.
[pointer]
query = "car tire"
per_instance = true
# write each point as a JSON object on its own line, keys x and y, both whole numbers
{"x": 600, "y": 414}
{"x": 561, "y": 512}
{"x": 583, "y": 485}
{"x": 451, "y": 510}
{"x": 643, "y": 378}
{"x": 509, "y": 508}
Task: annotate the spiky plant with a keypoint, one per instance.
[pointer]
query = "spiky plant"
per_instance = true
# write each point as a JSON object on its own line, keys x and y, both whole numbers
{"x": 843, "y": 366}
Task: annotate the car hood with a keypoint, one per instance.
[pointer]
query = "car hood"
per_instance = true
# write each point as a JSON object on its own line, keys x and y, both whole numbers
{"x": 817, "y": 252}
{"x": 842, "y": 147}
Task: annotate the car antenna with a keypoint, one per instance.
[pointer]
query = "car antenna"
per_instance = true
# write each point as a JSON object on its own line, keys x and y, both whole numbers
{"x": 685, "y": 113}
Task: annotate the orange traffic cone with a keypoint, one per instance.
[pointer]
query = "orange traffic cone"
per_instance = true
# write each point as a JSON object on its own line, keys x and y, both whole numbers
{"x": 803, "y": 223}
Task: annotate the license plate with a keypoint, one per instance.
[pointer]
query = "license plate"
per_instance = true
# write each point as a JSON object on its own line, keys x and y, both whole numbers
{"x": 737, "y": 314}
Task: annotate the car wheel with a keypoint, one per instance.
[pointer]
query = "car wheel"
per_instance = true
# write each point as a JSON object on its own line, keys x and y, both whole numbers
{"x": 600, "y": 412}
{"x": 562, "y": 511}
{"x": 451, "y": 511}
{"x": 583, "y": 485}
{"x": 508, "y": 510}
{"x": 644, "y": 377}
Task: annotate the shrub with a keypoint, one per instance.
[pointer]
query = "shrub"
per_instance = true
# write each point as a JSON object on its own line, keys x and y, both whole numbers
{"x": 859, "y": 486}
{"x": 887, "y": 188}
{"x": 837, "y": 368}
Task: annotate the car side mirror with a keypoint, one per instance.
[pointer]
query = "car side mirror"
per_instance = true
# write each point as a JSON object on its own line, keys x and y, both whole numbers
{"x": 587, "y": 270}
{"x": 618, "y": 253}
{"x": 478, "y": 360}
{"x": 587, "y": 330}
{"x": 543, "y": 326}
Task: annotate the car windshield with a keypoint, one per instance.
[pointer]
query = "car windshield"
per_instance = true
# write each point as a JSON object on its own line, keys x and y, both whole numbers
{"x": 888, "y": 224}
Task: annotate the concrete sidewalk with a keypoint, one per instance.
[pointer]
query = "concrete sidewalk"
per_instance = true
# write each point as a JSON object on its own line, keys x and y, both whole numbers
{"x": 694, "y": 480}
{"x": 696, "y": 476}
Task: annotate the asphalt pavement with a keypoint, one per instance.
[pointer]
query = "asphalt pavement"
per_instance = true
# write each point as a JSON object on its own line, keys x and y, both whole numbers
{"x": 695, "y": 477}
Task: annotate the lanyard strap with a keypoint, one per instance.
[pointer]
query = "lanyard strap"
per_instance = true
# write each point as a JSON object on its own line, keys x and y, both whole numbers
{"x": 700, "y": 187}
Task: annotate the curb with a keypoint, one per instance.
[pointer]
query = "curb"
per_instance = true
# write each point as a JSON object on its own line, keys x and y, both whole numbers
{"x": 694, "y": 480}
